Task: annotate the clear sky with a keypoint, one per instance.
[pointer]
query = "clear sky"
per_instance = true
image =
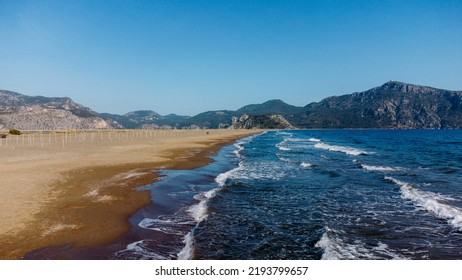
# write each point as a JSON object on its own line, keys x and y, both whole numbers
{"x": 189, "y": 56}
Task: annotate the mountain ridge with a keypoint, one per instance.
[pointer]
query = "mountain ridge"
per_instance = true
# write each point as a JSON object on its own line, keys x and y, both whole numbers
{"x": 274, "y": 106}
{"x": 46, "y": 113}
{"x": 391, "y": 105}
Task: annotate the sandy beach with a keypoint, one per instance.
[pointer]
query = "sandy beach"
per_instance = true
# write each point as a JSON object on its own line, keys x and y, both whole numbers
{"x": 79, "y": 188}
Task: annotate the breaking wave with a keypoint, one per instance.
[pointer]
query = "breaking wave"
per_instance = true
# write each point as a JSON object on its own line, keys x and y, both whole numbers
{"x": 165, "y": 225}
{"x": 282, "y": 147}
{"x": 431, "y": 202}
{"x": 380, "y": 168}
{"x": 346, "y": 150}
{"x": 140, "y": 250}
{"x": 334, "y": 248}
{"x": 306, "y": 165}
{"x": 188, "y": 250}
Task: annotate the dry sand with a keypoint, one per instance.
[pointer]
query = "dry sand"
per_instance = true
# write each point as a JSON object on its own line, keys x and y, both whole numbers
{"x": 79, "y": 187}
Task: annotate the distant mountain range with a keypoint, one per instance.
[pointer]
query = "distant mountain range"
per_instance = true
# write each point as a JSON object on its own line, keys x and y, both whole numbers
{"x": 44, "y": 113}
{"x": 144, "y": 119}
{"x": 392, "y": 105}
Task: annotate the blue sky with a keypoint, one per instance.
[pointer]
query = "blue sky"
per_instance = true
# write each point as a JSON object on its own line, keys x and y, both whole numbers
{"x": 187, "y": 57}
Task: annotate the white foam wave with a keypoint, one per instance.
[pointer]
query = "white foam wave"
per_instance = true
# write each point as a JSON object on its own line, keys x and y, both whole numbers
{"x": 240, "y": 148}
{"x": 211, "y": 193}
{"x": 281, "y": 146}
{"x": 250, "y": 138}
{"x": 380, "y": 168}
{"x": 306, "y": 165}
{"x": 221, "y": 178}
{"x": 260, "y": 171}
{"x": 166, "y": 226}
{"x": 147, "y": 222}
{"x": 207, "y": 195}
{"x": 346, "y": 150}
{"x": 284, "y": 159}
{"x": 140, "y": 251}
{"x": 294, "y": 139}
{"x": 430, "y": 202}
{"x": 284, "y": 133}
{"x": 443, "y": 197}
{"x": 334, "y": 248}
{"x": 199, "y": 211}
{"x": 314, "y": 140}
{"x": 240, "y": 145}
{"x": 188, "y": 250}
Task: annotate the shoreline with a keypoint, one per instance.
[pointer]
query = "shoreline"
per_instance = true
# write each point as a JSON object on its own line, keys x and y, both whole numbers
{"x": 89, "y": 203}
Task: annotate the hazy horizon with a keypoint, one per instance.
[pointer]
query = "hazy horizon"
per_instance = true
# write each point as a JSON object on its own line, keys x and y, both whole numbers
{"x": 188, "y": 57}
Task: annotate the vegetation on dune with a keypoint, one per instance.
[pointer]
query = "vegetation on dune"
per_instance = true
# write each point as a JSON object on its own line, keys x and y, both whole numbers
{"x": 14, "y": 132}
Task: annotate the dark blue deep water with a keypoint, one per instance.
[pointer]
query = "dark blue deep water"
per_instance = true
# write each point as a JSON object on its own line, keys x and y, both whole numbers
{"x": 315, "y": 194}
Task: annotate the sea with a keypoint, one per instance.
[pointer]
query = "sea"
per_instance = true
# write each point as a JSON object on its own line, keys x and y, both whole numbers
{"x": 310, "y": 194}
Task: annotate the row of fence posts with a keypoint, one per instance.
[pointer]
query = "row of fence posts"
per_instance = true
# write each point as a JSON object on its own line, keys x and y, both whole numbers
{"x": 65, "y": 137}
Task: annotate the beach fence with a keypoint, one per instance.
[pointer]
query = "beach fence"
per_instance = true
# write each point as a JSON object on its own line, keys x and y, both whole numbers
{"x": 73, "y": 138}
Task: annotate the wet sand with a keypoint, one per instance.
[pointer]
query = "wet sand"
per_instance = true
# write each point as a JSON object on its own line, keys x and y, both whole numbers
{"x": 79, "y": 188}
